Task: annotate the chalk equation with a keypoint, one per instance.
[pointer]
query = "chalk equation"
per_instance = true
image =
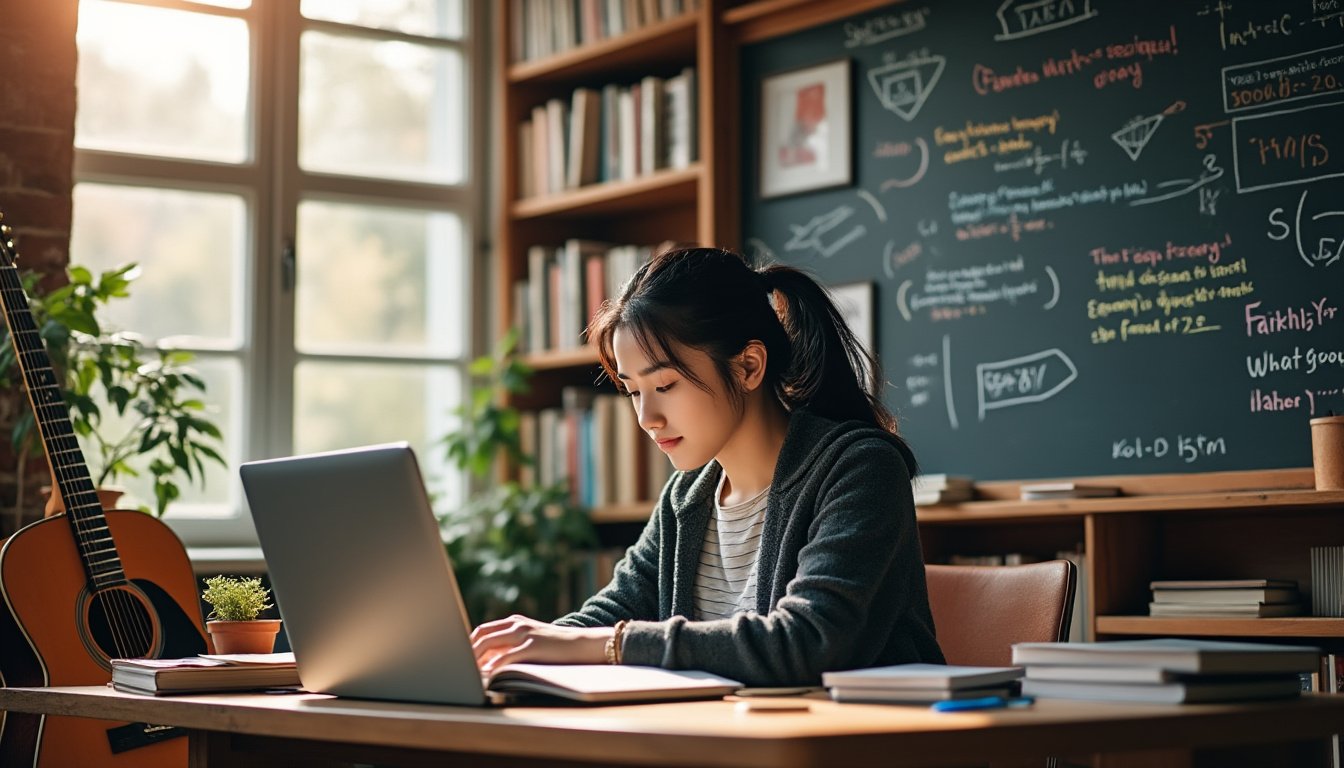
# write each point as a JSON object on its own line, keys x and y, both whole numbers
{"x": 950, "y": 294}
{"x": 1023, "y": 18}
{"x": 1185, "y": 448}
{"x": 886, "y": 26}
{"x": 1296, "y": 77}
{"x": 927, "y": 371}
{"x": 1292, "y": 146}
{"x": 1327, "y": 248}
{"x": 1021, "y": 380}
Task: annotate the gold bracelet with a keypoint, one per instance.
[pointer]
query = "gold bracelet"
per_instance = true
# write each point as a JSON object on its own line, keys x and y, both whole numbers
{"x": 613, "y": 646}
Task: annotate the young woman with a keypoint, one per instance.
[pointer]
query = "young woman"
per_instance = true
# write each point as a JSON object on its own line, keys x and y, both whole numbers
{"x": 786, "y": 544}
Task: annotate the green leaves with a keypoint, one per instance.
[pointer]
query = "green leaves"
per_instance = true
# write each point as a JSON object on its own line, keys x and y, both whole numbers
{"x": 511, "y": 546}
{"x": 235, "y": 599}
{"x": 161, "y": 424}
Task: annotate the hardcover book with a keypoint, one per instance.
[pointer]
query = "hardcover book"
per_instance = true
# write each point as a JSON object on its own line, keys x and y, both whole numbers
{"x": 1175, "y": 654}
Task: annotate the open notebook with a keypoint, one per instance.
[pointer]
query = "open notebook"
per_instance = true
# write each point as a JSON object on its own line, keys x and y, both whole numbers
{"x": 369, "y": 600}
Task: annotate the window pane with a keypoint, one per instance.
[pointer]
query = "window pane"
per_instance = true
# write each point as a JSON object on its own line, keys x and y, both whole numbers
{"x": 381, "y": 109}
{"x": 432, "y": 18}
{"x": 162, "y": 82}
{"x": 379, "y": 280}
{"x": 342, "y": 405}
{"x": 219, "y": 497}
{"x": 190, "y": 247}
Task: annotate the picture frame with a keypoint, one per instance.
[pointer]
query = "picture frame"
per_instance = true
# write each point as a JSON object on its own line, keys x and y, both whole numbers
{"x": 855, "y": 302}
{"x": 805, "y": 141}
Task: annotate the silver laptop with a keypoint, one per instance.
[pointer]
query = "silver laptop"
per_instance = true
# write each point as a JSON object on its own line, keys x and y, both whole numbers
{"x": 361, "y": 578}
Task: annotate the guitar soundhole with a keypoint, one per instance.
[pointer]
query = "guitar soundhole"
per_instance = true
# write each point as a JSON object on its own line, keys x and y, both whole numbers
{"x": 121, "y": 624}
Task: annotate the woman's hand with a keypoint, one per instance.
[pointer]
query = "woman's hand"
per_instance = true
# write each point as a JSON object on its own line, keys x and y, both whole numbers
{"x": 518, "y": 639}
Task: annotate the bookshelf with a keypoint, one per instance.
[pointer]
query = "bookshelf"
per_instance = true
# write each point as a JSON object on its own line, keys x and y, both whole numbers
{"x": 660, "y": 202}
{"x": 1203, "y": 526}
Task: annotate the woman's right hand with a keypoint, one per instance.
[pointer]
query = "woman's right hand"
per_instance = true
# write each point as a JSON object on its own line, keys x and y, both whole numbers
{"x": 520, "y": 639}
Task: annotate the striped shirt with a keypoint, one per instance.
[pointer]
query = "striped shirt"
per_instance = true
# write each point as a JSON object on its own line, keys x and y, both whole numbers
{"x": 725, "y": 581}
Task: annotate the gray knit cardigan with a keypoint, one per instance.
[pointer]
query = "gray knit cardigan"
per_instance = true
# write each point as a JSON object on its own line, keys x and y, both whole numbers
{"x": 841, "y": 580}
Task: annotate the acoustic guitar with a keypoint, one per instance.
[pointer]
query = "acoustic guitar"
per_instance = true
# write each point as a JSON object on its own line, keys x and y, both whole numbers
{"x": 82, "y": 587}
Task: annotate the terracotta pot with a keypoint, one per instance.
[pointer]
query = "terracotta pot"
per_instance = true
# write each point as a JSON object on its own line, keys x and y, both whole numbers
{"x": 244, "y": 636}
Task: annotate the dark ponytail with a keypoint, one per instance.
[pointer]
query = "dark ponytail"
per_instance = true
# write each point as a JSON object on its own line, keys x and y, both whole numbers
{"x": 711, "y": 300}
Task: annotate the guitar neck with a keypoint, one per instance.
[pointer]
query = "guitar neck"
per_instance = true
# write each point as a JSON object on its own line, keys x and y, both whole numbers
{"x": 84, "y": 512}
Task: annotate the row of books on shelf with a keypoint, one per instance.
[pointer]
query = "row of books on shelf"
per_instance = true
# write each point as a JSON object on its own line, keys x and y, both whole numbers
{"x": 542, "y": 28}
{"x": 594, "y": 442}
{"x": 1247, "y": 598}
{"x": 616, "y": 133}
{"x": 942, "y": 488}
{"x": 1256, "y": 597}
{"x": 564, "y": 288}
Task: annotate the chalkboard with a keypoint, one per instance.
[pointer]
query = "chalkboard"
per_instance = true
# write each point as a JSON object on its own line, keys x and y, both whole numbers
{"x": 1104, "y": 237}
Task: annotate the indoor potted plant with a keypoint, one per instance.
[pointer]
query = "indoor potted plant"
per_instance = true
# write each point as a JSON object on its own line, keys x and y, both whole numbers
{"x": 135, "y": 408}
{"x": 511, "y": 545}
{"x": 235, "y": 604}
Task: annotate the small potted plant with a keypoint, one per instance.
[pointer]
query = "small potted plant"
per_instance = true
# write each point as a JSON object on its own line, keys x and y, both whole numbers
{"x": 235, "y": 603}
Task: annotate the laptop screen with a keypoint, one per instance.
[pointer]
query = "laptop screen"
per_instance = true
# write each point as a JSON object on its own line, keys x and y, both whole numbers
{"x": 361, "y": 577}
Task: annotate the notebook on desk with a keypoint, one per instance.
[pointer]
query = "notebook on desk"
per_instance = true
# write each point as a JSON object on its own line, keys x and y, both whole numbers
{"x": 369, "y": 600}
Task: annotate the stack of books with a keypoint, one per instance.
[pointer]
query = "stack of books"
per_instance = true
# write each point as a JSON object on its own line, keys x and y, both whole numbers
{"x": 920, "y": 683}
{"x": 1066, "y": 490}
{"x": 941, "y": 489}
{"x": 205, "y": 673}
{"x": 1249, "y": 598}
{"x": 1164, "y": 670}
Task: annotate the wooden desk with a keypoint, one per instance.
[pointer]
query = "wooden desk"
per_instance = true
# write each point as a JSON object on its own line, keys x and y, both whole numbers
{"x": 265, "y": 730}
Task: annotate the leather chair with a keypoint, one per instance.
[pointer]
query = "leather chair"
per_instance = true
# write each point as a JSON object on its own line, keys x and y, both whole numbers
{"x": 980, "y": 611}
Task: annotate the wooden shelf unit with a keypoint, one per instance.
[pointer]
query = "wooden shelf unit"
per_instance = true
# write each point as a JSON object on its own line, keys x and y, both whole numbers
{"x": 1220, "y": 530}
{"x": 695, "y": 204}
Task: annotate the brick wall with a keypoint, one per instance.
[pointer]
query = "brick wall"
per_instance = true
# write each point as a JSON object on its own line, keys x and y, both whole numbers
{"x": 37, "y": 130}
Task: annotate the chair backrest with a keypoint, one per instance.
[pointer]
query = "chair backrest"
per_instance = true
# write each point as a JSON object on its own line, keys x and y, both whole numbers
{"x": 980, "y": 611}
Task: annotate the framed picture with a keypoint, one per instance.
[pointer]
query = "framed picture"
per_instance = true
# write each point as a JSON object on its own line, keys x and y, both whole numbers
{"x": 805, "y": 129}
{"x": 855, "y": 302}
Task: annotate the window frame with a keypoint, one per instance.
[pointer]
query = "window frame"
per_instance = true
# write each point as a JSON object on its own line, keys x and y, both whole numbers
{"x": 272, "y": 186}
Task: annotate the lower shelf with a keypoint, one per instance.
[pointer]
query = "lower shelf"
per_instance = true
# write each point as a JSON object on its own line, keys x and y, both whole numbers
{"x": 1296, "y": 626}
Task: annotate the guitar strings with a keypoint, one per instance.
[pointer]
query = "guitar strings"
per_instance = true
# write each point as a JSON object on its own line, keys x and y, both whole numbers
{"x": 130, "y": 633}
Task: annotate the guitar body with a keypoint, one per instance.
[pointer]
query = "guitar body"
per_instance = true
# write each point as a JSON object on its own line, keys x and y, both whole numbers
{"x": 55, "y": 631}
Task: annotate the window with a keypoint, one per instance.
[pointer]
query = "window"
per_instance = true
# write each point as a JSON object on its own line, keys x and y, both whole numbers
{"x": 295, "y": 180}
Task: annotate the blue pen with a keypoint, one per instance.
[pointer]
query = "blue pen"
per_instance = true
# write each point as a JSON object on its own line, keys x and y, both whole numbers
{"x": 985, "y": 702}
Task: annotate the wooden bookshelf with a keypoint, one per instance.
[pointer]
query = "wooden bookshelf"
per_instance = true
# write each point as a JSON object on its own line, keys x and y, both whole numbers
{"x": 661, "y": 188}
{"x": 1220, "y": 528}
{"x": 641, "y": 49}
{"x": 1195, "y": 503}
{"x": 692, "y": 204}
{"x": 562, "y": 359}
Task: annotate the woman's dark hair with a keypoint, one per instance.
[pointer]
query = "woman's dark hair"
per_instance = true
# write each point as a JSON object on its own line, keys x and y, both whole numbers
{"x": 710, "y": 299}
